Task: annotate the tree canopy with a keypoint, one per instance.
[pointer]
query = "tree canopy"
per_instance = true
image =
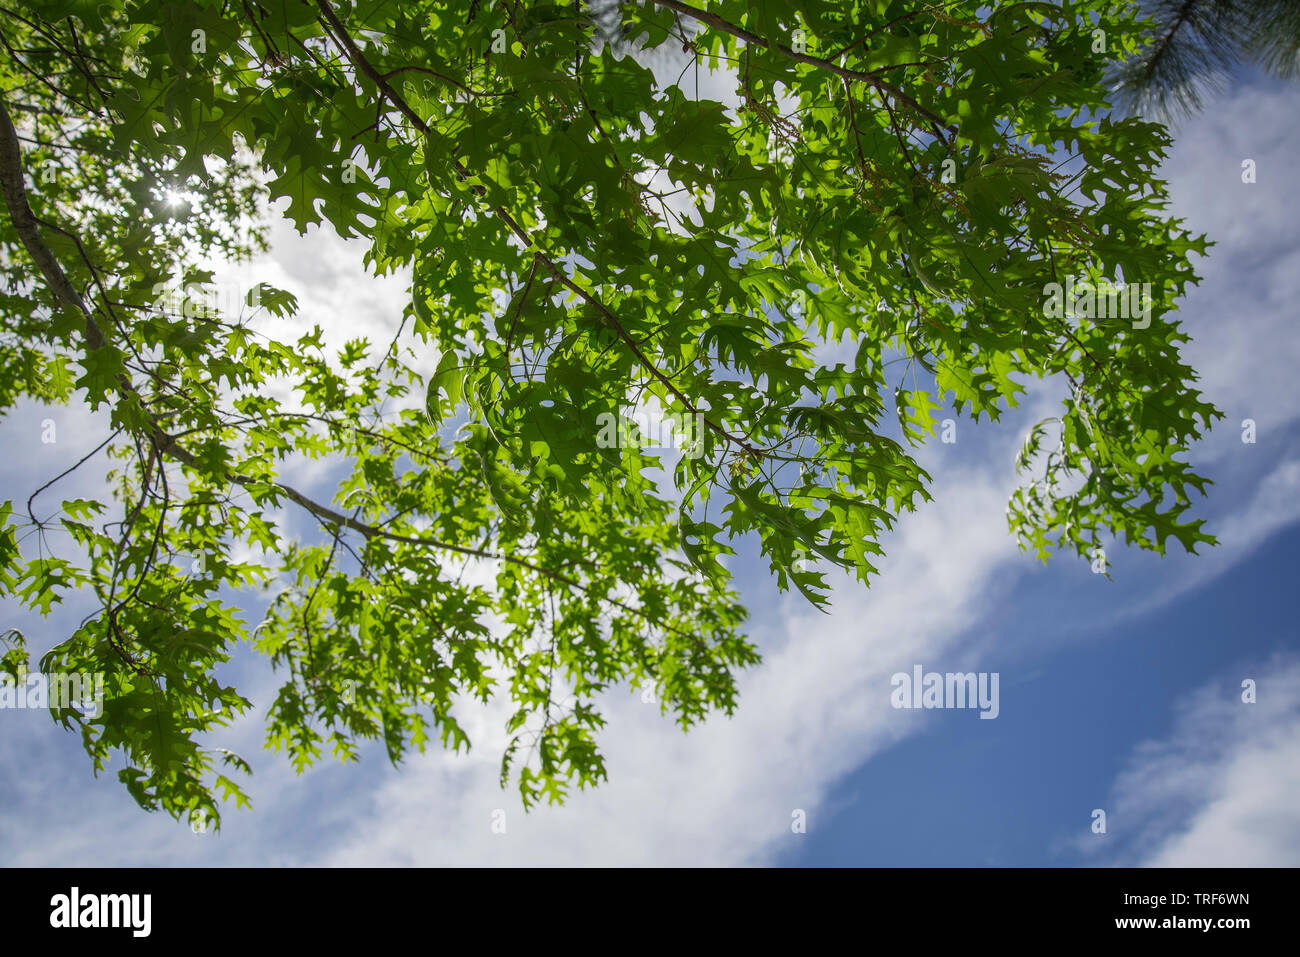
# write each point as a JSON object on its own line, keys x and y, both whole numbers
{"x": 866, "y": 236}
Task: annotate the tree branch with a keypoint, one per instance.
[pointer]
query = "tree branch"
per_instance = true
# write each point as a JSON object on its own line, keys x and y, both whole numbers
{"x": 339, "y": 31}
{"x": 25, "y": 224}
{"x": 29, "y": 231}
{"x": 872, "y": 79}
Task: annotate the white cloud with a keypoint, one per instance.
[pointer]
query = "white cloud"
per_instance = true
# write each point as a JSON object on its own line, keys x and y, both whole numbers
{"x": 1220, "y": 790}
{"x": 724, "y": 794}
{"x": 1242, "y": 316}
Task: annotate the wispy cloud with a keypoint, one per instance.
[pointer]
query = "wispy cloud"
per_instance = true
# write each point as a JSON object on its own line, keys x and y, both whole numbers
{"x": 1220, "y": 790}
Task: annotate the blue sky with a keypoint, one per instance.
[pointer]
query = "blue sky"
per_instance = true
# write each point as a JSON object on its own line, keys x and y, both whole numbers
{"x": 1120, "y": 695}
{"x": 962, "y": 794}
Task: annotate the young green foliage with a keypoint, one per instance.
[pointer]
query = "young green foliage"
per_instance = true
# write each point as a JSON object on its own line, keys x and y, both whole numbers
{"x": 583, "y": 234}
